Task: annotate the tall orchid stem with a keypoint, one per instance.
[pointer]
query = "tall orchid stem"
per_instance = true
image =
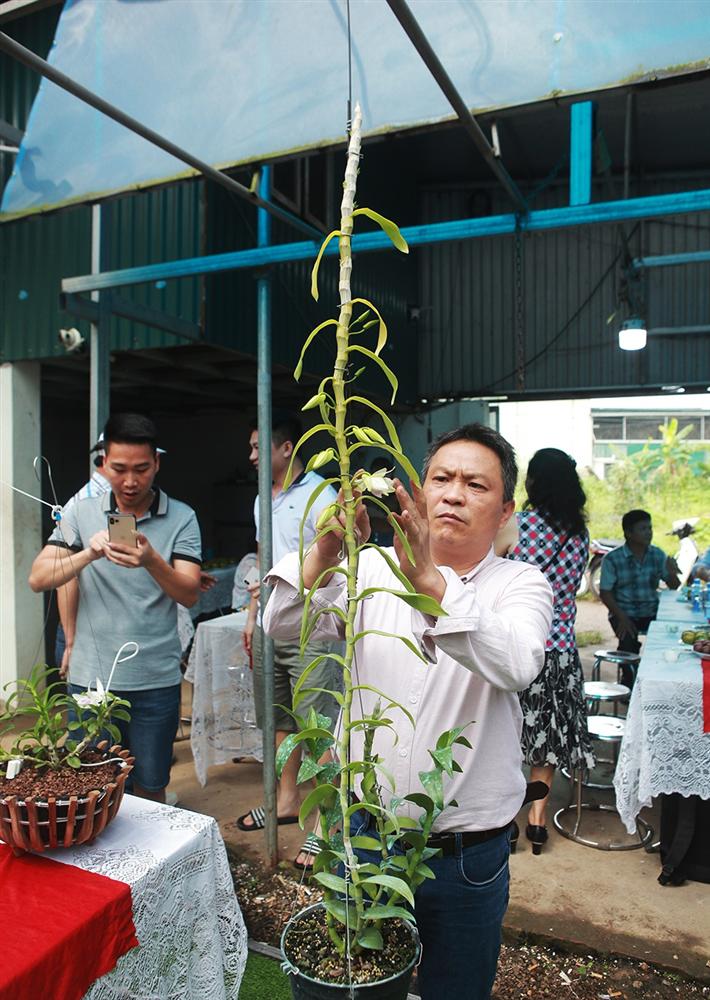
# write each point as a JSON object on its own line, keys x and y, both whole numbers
{"x": 350, "y": 500}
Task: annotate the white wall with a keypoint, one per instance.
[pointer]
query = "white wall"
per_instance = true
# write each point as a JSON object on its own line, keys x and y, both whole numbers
{"x": 564, "y": 424}
{"x": 21, "y": 611}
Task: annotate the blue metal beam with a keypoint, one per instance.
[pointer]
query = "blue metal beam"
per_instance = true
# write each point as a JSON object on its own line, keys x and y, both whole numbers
{"x": 580, "y": 153}
{"x": 670, "y": 259}
{"x": 437, "y": 232}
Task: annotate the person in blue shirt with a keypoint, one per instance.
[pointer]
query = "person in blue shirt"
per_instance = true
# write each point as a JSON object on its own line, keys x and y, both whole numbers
{"x": 701, "y": 567}
{"x": 629, "y": 583}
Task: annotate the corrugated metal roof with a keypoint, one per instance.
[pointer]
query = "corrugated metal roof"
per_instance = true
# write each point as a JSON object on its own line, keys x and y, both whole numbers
{"x": 570, "y": 285}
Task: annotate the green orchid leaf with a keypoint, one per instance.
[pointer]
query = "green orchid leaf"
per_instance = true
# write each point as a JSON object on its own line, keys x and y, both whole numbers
{"x": 382, "y": 333}
{"x": 444, "y": 758}
{"x": 309, "y": 768}
{"x": 370, "y": 937}
{"x": 328, "y": 428}
{"x": 334, "y": 882}
{"x": 314, "y": 272}
{"x": 391, "y": 635}
{"x": 375, "y": 690}
{"x": 313, "y": 665}
{"x": 298, "y": 371}
{"x": 363, "y": 843}
{"x": 383, "y": 912}
{"x": 424, "y": 871}
{"x": 284, "y": 751}
{"x": 304, "y": 692}
{"x": 421, "y": 800}
{"x": 387, "y": 226}
{"x": 336, "y": 907}
{"x": 420, "y": 602}
{"x": 388, "y": 373}
{"x": 432, "y": 782}
{"x": 322, "y": 796}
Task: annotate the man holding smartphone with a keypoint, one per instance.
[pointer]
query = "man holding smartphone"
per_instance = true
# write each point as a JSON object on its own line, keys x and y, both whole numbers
{"x": 129, "y": 592}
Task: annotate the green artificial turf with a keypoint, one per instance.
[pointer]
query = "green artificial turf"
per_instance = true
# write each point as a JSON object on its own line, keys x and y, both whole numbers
{"x": 264, "y": 980}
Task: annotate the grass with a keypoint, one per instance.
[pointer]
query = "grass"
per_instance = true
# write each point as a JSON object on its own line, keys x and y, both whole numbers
{"x": 589, "y": 638}
{"x": 264, "y": 980}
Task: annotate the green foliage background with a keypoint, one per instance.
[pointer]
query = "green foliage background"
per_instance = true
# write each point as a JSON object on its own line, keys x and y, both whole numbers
{"x": 668, "y": 478}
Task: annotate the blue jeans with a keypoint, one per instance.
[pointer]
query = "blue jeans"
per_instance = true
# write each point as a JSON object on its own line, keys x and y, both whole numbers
{"x": 460, "y": 915}
{"x": 149, "y": 735}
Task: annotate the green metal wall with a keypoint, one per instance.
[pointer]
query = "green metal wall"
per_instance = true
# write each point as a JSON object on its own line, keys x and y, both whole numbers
{"x": 388, "y": 279}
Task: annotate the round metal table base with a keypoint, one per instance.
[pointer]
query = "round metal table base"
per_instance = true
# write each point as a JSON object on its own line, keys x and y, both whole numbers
{"x": 644, "y": 831}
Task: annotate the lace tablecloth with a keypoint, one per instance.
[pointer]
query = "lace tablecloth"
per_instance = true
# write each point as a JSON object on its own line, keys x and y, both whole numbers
{"x": 664, "y": 749}
{"x": 193, "y": 942}
{"x": 220, "y": 596}
{"x": 223, "y": 721}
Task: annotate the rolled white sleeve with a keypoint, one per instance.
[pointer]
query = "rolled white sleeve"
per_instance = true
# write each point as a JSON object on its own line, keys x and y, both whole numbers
{"x": 284, "y": 611}
{"x": 503, "y": 643}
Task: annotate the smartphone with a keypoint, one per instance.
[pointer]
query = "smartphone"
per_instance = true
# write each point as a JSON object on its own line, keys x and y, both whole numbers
{"x": 122, "y": 529}
{"x": 252, "y": 576}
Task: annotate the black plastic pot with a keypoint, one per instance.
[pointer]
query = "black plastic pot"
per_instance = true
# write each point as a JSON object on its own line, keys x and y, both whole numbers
{"x": 305, "y": 988}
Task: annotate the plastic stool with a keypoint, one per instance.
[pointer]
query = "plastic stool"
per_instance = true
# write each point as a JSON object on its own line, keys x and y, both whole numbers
{"x": 617, "y": 656}
{"x": 608, "y": 729}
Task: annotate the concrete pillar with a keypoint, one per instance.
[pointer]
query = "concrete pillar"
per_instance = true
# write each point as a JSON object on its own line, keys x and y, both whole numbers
{"x": 21, "y": 611}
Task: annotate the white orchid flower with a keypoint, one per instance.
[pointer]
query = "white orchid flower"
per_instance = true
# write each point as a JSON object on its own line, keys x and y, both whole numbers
{"x": 378, "y": 483}
{"x": 89, "y": 698}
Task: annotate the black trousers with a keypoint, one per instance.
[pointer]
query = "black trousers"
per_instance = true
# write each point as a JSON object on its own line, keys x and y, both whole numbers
{"x": 629, "y": 645}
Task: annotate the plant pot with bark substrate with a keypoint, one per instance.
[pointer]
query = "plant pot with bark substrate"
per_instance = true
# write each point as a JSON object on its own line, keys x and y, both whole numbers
{"x": 44, "y": 808}
{"x": 318, "y": 972}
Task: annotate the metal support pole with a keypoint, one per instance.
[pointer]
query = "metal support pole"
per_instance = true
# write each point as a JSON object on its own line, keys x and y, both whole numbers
{"x": 580, "y": 153}
{"x": 100, "y": 370}
{"x": 421, "y": 43}
{"x": 41, "y": 66}
{"x": 263, "y": 409}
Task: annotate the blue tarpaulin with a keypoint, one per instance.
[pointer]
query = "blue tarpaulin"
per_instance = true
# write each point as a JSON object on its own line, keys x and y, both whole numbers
{"x": 243, "y": 80}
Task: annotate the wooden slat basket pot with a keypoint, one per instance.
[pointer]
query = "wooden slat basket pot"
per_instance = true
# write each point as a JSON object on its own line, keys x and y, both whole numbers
{"x": 39, "y": 824}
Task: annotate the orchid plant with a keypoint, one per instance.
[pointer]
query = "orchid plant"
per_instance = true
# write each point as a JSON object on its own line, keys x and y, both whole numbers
{"x": 360, "y": 895}
{"x": 48, "y": 741}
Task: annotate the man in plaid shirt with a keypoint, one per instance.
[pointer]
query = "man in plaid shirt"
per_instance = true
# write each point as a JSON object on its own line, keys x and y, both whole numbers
{"x": 629, "y": 583}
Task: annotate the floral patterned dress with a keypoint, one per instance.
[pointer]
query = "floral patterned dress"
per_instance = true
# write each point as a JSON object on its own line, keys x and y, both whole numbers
{"x": 554, "y": 714}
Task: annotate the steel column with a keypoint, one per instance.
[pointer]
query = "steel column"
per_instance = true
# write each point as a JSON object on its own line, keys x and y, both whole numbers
{"x": 580, "y": 153}
{"x": 100, "y": 342}
{"x": 263, "y": 409}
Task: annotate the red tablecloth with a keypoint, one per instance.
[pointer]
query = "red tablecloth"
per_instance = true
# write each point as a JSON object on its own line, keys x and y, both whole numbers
{"x": 63, "y": 927}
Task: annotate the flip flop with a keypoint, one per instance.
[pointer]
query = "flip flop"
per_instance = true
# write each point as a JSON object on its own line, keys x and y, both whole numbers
{"x": 312, "y": 847}
{"x": 258, "y": 820}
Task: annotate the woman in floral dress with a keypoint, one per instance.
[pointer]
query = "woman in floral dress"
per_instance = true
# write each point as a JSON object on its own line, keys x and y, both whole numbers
{"x": 552, "y": 535}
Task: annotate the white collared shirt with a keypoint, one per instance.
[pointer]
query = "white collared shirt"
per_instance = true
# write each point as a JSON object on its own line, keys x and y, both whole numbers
{"x": 490, "y": 645}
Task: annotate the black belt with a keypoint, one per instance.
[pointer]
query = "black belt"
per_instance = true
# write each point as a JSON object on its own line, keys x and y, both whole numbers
{"x": 447, "y": 841}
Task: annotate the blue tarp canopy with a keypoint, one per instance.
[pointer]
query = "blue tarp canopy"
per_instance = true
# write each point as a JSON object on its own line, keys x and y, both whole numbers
{"x": 246, "y": 80}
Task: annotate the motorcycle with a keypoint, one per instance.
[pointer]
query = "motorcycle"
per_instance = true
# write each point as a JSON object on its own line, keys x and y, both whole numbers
{"x": 598, "y": 548}
{"x": 688, "y": 551}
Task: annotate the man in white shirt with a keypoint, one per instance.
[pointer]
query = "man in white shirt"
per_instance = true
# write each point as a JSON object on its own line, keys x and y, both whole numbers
{"x": 288, "y": 507}
{"x": 489, "y": 646}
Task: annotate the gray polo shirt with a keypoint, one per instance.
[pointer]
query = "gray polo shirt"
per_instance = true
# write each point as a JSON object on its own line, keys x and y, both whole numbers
{"x": 118, "y": 604}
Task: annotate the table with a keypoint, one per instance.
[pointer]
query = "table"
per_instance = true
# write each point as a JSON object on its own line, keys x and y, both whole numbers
{"x": 223, "y": 718}
{"x": 671, "y": 609}
{"x": 664, "y": 749}
{"x": 192, "y": 938}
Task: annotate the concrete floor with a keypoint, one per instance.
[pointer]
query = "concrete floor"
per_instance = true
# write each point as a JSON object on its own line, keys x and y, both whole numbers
{"x": 609, "y": 902}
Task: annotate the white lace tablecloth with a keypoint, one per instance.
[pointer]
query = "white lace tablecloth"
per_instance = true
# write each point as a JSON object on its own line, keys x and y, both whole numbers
{"x": 664, "y": 749}
{"x": 220, "y": 596}
{"x": 193, "y": 942}
{"x": 223, "y": 720}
